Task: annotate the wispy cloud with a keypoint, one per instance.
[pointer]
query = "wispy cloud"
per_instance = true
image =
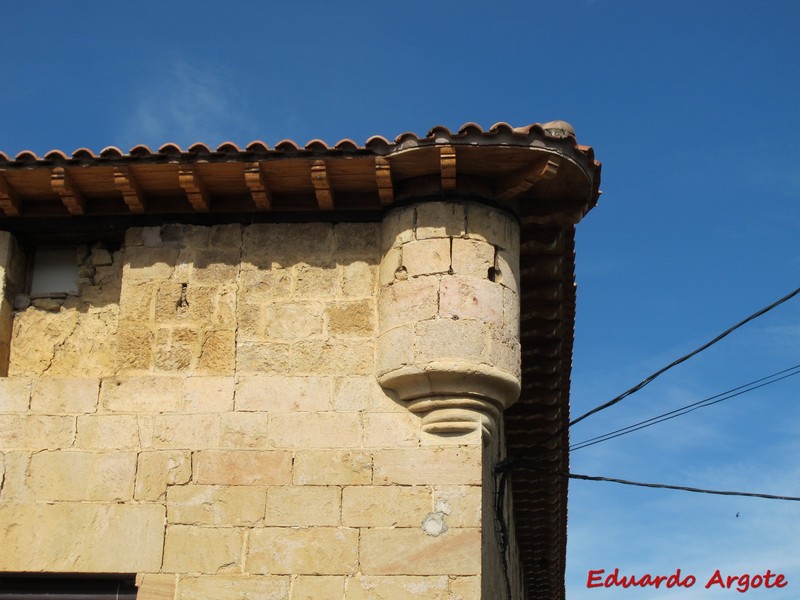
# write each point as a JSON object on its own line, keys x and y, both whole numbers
{"x": 184, "y": 103}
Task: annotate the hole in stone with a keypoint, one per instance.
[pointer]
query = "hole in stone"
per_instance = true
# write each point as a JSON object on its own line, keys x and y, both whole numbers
{"x": 493, "y": 274}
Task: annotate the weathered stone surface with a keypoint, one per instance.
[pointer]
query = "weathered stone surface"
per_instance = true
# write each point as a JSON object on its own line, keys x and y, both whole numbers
{"x": 244, "y": 430}
{"x": 463, "y": 297}
{"x": 332, "y": 357}
{"x": 158, "y": 469}
{"x": 332, "y": 467}
{"x": 357, "y": 239}
{"x": 190, "y": 432}
{"x": 356, "y": 318}
{"x": 57, "y": 395}
{"x": 465, "y": 588}
{"x": 427, "y": 257}
{"x": 397, "y": 227}
{"x": 455, "y": 552}
{"x": 493, "y": 226}
{"x": 77, "y": 475}
{"x": 14, "y": 394}
{"x": 318, "y": 587}
{"x": 315, "y": 282}
{"x": 362, "y": 393}
{"x": 141, "y": 394}
{"x": 303, "y": 506}
{"x": 385, "y": 506}
{"x": 211, "y": 550}
{"x": 154, "y": 586}
{"x": 234, "y": 587}
{"x": 317, "y": 550}
{"x": 466, "y": 340}
{"x": 472, "y": 258}
{"x": 429, "y": 465}
{"x": 461, "y": 503}
{"x": 391, "y": 430}
{"x": 398, "y": 587}
{"x": 69, "y": 537}
{"x": 276, "y": 393}
{"x": 358, "y": 279}
{"x": 216, "y": 505}
{"x": 36, "y": 432}
{"x": 440, "y": 220}
{"x": 262, "y": 357}
{"x": 293, "y": 321}
{"x": 315, "y": 430}
{"x": 119, "y": 432}
{"x": 242, "y": 467}
{"x": 408, "y": 301}
{"x": 208, "y": 394}
{"x": 149, "y": 263}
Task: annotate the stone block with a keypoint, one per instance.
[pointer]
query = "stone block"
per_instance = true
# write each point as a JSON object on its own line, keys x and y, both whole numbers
{"x": 428, "y": 466}
{"x": 357, "y": 239}
{"x": 217, "y": 353}
{"x": 141, "y": 395}
{"x": 189, "y": 549}
{"x": 226, "y": 235}
{"x": 216, "y": 266}
{"x": 137, "y": 300}
{"x": 303, "y": 506}
{"x": 493, "y": 226}
{"x": 13, "y": 469}
{"x": 36, "y": 432}
{"x": 234, "y": 587}
{"x": 398, "y": 587}
{"x": 440, "y": 339}
{"x": 176, "y": 348}
{"x": 358, "y": 279}
{"x": 182, "y": 431}
{"x": 315, "y": 430}
{"x": 385, "y": 506}
{"x": 154, "y": 586}
{"x": 262, "y": 357}
{"x": 472, "y": 258}
{"x": 242, "y": 467}
{"x": 465, "y": 588}
{"x": 257, "y": 285}
{"x": 463, "y": 297}
{"x": 276, "y": 393}
{"x": 208, "y": 394}
{"x": 287, "y": 243}
{"x": 333, "y": 356}
{"x": 427, "y": 257}
{"x": 395, "y": 348}
{"x": 88, "y": 538}
{"x": 315, "y": 282}
{"x": 397, "y": 228}
{"x": 222, "y": 506}
{"x": 318, "y": 587}
{"x": 15, "y": 394}
{"x": 56, "y": 395}
{"x": 312, "y": 551}
{"x": 293, "y": 320}
{"x": 454, "y": 552}
{"x": 391, "y": 430}
{"x": 78, "y": 475}
{"x": 244, "y": 430}
{"x": 149, "y": 263}
{"x": 461, "y": 503}
{"x": 408, "y": 301}
{"x": 119, "y": 432}
{"x": 351, "y": 319}
{"x": 440, "y": 220}
{"x": 135, "y": 347}
{"x": 362, "y": 393}
{"x": 332, "y": 467}
{"x": 156, "y": 470}
{"x": 391, "y": 264}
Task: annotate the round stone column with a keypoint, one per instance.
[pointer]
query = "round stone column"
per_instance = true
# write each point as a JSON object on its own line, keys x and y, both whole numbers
{"x": 448, "y": 313}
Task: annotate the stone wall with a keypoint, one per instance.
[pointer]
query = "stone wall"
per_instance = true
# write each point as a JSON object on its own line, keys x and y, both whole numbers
{"x": 206, "y": 414}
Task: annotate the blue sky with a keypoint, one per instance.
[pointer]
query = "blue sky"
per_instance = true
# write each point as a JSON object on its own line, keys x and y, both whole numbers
{"x": 691, "y": 106}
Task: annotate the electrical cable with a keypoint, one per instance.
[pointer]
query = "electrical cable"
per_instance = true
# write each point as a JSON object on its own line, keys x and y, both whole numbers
{"x": 684, "y": 410}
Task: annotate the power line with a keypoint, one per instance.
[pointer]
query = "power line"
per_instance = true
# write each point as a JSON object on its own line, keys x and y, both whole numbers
{"x": 682, "y": 359}
{"x": 684, "y": 410}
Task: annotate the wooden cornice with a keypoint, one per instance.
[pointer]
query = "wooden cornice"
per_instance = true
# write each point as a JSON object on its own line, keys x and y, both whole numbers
{"x": 10, "y": 203}
{"x": 322, "y": 185}
{"x": 256, "y": 183}
{"x": 383, "y": 177}
{"x": 131, "y": 191}
{"x": 194, "y": 187}
{"x": 70, "y": 195}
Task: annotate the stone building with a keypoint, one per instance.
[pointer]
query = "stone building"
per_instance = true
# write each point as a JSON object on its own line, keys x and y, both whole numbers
{"x": 290, "y": 373}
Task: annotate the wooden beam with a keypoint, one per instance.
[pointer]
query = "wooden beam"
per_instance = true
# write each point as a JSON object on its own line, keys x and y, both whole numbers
{"x": 71, "y": 196}
{"x": 259, "y": 190}
{"x": 447, "y": 160}
{"x": 10, "y": 203}
{"x": 524, "y": 179}
{"x": 126, "y": 183}
{"x": 383, "y": 175}
{"x": 322, "y": 185}
{"x": 195, "y": 190}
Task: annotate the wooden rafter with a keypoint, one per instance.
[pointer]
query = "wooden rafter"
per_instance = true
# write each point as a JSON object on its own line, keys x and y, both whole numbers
{"x": 10, "y": 203}
{"x": 65, "y": 187}
{"x": 322, "y": 185}
{"x": 195, "y": 190}
{"x": 383, "y": 175}
{"x": 524, "y": 179}
{"x": 259, "y": 190}
{"x": 126, "y": 183}
{"x": 447, "y": 160}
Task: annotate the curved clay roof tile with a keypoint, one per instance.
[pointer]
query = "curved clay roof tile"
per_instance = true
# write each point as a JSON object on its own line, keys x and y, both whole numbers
{"x": 558, "y": 129}
{"x": 470, "y": 127}
{"x": 287, "y": 146}
{"x": 111, "y": 152}
{"x": 170, "y": 149}
{"x": 141, "y": 150}
{"x": 377, "y": 143}
{"x": 501, "y": 127}
{"x": 199, "y": 148}
{"x": 346, "y": 144}
{"x": 84, "y": 153}
{"x": 55, "y": 155}
{"x": 404, "y": 137}
{"x": 439, "y": 130}
{"x": 257, "y": 146}
{"x": 317, "y": 144}
{"x": 26, "y": 156}
{"x": 4, "y": 157}
{"x": 228, "y": 148}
